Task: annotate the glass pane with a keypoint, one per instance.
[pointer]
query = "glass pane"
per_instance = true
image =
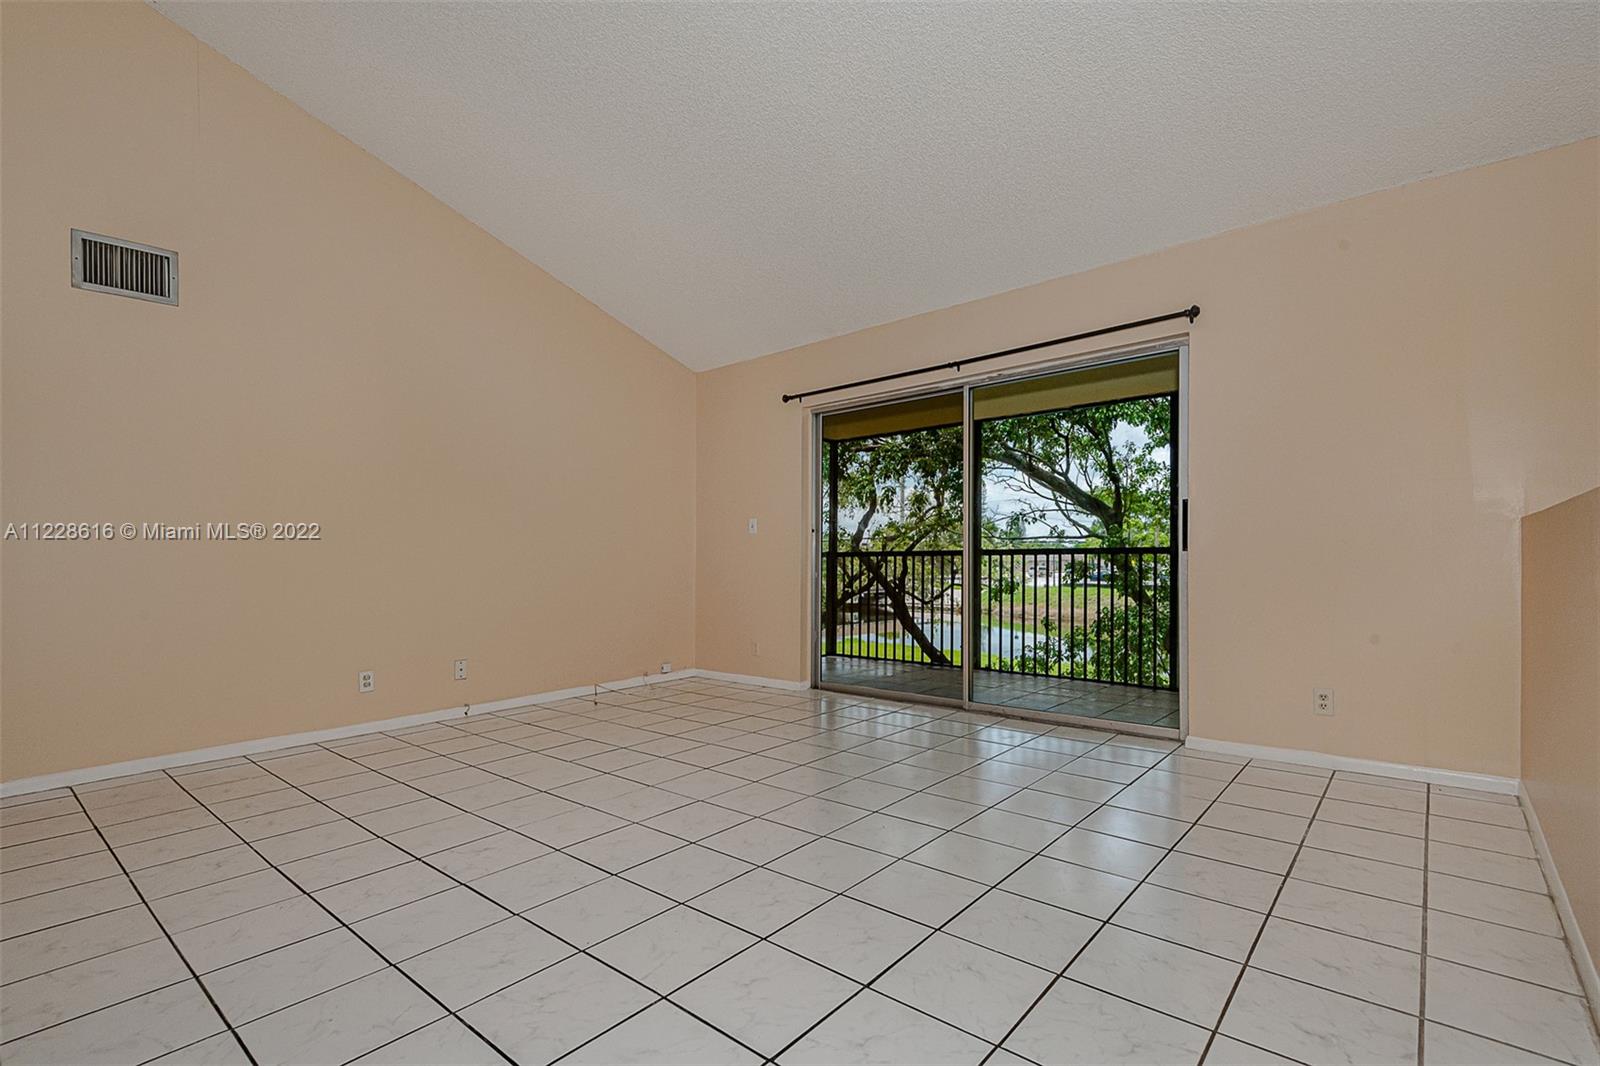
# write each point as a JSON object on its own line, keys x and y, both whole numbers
{"x": 891, "y": 548}
{"x": 1077, "y": 590}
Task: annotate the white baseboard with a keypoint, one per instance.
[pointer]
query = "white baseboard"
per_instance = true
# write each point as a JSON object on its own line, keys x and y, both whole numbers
{"x": 87, "y": 774}
{"x": 1458, "y": 778}
{"x": 1581, "y": 957}
{"x": 751, "y": 679}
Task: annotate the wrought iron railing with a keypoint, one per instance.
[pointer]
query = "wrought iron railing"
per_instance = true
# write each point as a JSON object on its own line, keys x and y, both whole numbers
{"x": 1095, "y": 614}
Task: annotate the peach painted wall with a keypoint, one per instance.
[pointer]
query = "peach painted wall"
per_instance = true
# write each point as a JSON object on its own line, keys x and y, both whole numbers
{"x": 1380, "y": 389}
{"x": 502, "y": 472}
{"x": 1561, "y": 693}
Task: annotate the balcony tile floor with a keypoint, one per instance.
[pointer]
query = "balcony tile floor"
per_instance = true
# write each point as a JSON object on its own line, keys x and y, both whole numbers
{"x": 1049, "y": 695}
{"x": 706, "y": 872}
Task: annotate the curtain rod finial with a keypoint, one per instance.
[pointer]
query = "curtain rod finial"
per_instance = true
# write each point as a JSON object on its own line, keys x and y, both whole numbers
{"x": 1193, "y": 313}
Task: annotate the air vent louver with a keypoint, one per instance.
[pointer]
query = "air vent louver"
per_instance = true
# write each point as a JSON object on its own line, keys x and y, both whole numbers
{"x": 108, "y": 264}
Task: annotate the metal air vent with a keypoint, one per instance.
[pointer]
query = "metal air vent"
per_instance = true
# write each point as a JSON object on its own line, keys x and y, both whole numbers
{"x": 109, "y": 264}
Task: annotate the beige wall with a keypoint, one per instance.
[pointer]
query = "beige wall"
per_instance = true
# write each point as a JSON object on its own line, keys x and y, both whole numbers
{"x": 1380, "y": 389}
{"x": 1561, "y": 693}
{"x": 501, "y": 471}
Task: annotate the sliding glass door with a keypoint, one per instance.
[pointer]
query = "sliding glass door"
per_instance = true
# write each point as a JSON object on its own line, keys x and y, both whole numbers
{"x": 1062, "y": 492}
{"x": 891, "y": 547}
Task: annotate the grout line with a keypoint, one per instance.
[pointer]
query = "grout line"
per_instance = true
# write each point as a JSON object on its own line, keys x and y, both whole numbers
{"x": 369, "y": 945}
{"x": 223, "y": 1018}
{"x": 1061, "y": 975}
{"x": 510, "y": 914}
{"x": 1244, "y": 967}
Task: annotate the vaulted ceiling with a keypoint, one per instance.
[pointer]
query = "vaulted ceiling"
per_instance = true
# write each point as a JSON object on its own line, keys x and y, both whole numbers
{"x": 732, "y": 179}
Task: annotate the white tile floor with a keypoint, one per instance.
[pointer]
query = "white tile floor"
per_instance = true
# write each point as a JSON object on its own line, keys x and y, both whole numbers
{"x": 702, "y": 872}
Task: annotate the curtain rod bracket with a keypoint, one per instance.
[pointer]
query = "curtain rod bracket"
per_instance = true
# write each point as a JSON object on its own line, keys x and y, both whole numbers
{"x": 1191, "y": 313}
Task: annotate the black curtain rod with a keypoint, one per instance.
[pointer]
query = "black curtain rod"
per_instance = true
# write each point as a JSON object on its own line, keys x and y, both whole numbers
{"x": 1191, "y": 313}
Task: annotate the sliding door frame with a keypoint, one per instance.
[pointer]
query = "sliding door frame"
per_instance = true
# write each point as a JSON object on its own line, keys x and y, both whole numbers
{"x": 969, "y": 550}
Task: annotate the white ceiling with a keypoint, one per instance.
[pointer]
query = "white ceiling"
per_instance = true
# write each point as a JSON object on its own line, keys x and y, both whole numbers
{"x": 732, "y": 179}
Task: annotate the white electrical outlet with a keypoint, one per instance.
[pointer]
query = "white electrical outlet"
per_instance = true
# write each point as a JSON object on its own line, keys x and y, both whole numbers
{"x": 666, "y": 668}
{"x": 461, "y": 669}
{"x": 1322, "y": 701}
{"x": 365, "y": 681}
{"x": 752, "y": 527}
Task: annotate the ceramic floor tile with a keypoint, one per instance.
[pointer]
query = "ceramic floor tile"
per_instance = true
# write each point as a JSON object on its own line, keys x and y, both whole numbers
{"x": 971, "y": 987}
{"x": 592, "y": 913}
{"x": 415, "y": 927}
{"x": 1189, "y": 984}
{"x": 59, "y": 995}
{"x": 857, "y": 940}
{"x": 1266, "y": 777}
{"x": 1075, "y": 1023}
{"x": 1510, "y": 871}
{"x": 197, "y": 906}
{"x": 971, "y": 857}
{"x": 62, "y": 945}
{"x": 341, "y": 1024}
{"x": 761, "y": 901}
{"x": 830, "y": 864}
{"x": 872, "y": 1028}
{"x": 674, "y": 948}
{"x": 1375, "y": 972}
{"x": 1269, "y": 799}
{"x": 765, "y": 996}
{"x": 344, "y": 864}
{"x": 1442, "y": 1044}
{"x": 446, "y": 1040}
{"x": 1356, "y": 874}
{"x": 466, "y": 970}
{"x": 1311, "y": 1024}
{"x": 1196, "y": 922}
{"x": 526, "y": 885}
{"x": 217, "y": 944}
{"x": 1102, "y": 851}
{"x": 696, "y": 821}
{"x": 1226, "y": 1051}
{"x": 1474, "y": 810}
{"x": 1534, "y": 957}
{"x": 137, "y": 1030}
{"x": 1368, "y": 816}
{"x": 559, "y": 1008}
{"x": 374, "y": 893}
{"x": 663, "y": 1035}
{"x": 1224, "y": 882}
{"x": 1506, "y": 841}
{"x": 687, "y": 872}
{"x": 62, "y": 873}
{"x": 888, "y": 834}
{"x": 1532, "y": 911}
{"x": 1254, "y": 821}
{"x": 757, "y": 841}
{"x": 21, "y": 856}
{"x": 1076, "y": 888}
{"x": 258, "y": 986}
{"x": 1374, "y": 918}
{"x": 830, "y": 794}
{"x": 1512, "y": 1012}
{"x": 1270, "y": 856}
{"x": 1026, "y": 929}
{"x": 929, "y": 896}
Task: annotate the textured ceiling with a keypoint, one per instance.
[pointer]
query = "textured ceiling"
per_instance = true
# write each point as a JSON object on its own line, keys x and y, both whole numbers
{"x": 735, "y": 179}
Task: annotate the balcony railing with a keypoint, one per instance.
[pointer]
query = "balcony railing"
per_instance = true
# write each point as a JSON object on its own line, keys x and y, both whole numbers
{"x": 1095, "y": 614}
